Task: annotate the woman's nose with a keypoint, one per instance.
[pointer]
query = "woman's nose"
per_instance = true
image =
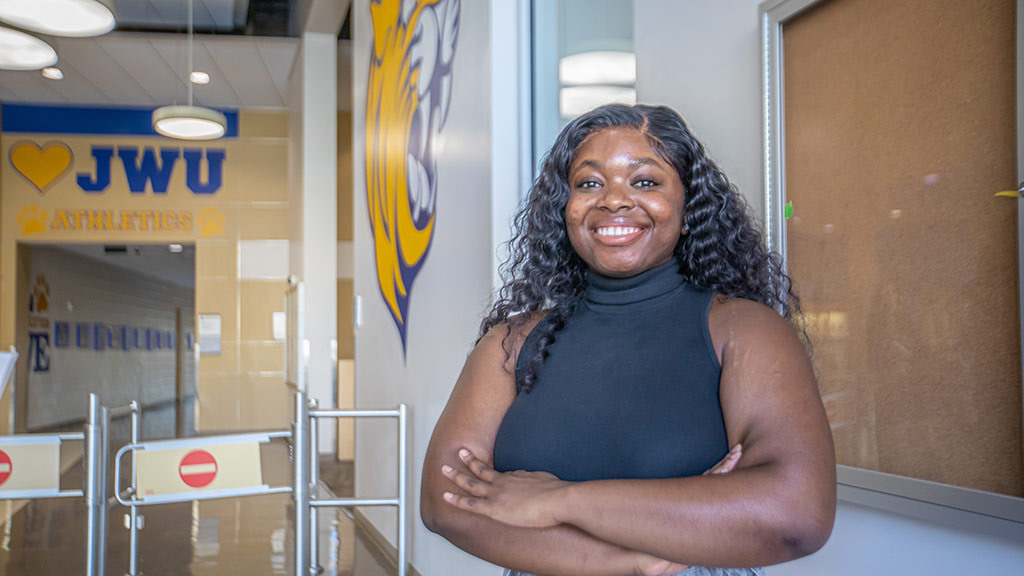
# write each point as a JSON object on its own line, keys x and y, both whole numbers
{"x": 616, "y": 196}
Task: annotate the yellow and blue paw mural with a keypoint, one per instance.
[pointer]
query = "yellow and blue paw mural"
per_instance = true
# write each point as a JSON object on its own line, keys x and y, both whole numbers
{"x": 211, "y": 222}
{"x": 32, "y": 220}
{"x": 407, "y": 100}
{"x": 41, "y": 165}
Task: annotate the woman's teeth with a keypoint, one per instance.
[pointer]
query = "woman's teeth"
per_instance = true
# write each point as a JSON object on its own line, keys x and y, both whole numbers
{"x": 617, "y": 230}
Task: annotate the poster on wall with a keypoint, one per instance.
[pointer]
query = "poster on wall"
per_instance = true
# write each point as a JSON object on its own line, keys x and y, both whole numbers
{"x": 209, "y": 334}
{"x": 410, "y": 100}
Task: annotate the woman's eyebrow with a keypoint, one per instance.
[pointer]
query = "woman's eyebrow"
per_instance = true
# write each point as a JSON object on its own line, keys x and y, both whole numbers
{"x": 645, "y": 161}
{"x": 587, "y": 164}
{"x": 633, "y": 163}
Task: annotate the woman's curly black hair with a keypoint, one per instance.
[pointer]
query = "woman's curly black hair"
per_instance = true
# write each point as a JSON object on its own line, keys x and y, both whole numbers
{"x": 723, "y": 250}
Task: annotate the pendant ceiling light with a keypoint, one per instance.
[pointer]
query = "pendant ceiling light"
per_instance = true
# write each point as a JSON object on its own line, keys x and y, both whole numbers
{"x": 60, "y": 17}
{"x": 189, "y": 122}
{"x": 20, "y": 50}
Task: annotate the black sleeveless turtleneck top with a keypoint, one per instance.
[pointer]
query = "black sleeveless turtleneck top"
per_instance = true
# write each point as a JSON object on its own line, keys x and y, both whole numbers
{"x": 629, "y": 390}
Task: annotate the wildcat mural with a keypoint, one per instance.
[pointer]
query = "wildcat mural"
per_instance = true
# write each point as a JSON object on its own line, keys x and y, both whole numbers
{"x": 407, "y": 100}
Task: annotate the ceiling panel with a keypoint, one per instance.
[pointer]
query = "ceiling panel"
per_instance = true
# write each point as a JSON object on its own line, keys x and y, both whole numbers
{"x": 91, "y": 61}
{"x": 7, "y": 94}
{"x": 245, "y": 69}
{"x": 151, "y": 70}
{"x": 218, "y": 92}
{"x": 278, "y": 58}
{"x": 147, "y": 67}
{"x": 76, "y": 87}
{"x": 37, "y": 84}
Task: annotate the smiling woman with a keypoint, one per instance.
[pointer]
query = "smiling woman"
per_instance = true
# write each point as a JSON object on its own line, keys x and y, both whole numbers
{"x": 633, "y": 342}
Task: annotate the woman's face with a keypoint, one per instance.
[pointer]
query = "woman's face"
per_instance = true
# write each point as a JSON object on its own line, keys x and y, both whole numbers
{"x": 625, "y": 210}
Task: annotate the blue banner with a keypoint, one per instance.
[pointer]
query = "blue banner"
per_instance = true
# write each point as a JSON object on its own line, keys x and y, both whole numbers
{"x": 40, "y": 119}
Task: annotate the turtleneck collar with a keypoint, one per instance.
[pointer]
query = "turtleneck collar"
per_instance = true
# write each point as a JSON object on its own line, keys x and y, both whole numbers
{"x": 644, "y": 286}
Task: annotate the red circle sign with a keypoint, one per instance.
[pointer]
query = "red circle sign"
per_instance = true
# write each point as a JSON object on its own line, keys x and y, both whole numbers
{"x": 5, "y": 467}
{"x": 198, "y": 468}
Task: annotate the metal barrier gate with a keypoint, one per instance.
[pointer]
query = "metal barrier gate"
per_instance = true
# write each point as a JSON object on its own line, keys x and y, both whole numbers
{"x": 188, "y": 469}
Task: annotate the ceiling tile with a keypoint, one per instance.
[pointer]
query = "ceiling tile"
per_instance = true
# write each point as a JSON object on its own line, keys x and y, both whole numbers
{"x": 218, "y": 92}
{"x": 15, "y": 86}
{"x": 94, "y": 63}
{"x": 40, "y": 89}
{"x": 136, "y": 55}
{"x": 77, "y": 88}
{"x": 244, "y": 68}
{"x": 134, "y": 69}
{"x": 278, "y": 57}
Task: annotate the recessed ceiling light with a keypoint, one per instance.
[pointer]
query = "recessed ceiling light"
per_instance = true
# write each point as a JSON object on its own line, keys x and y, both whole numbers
{"x": 176, "y": 248}
{"x": 53, "y": 73}
{"x": 198, "y": 77}
{"x": 24, "y": 51}
{"x": 60, "y": 17}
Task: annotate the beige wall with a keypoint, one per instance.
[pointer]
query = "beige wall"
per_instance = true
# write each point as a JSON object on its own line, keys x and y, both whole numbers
{"x": 240, "y": 233}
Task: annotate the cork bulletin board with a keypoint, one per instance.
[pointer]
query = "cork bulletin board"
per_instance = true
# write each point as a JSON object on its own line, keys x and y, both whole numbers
{"x": 900, "y": 128}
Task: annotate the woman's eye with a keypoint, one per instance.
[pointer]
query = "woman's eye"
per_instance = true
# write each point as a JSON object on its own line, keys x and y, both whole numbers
{"x": 645, "y": 183}
{"x": 588, "y": 184}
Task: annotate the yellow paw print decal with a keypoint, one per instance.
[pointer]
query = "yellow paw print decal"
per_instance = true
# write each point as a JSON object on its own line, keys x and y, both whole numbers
{"x": 211, "y": 222}
{"x": 32, "y": 220}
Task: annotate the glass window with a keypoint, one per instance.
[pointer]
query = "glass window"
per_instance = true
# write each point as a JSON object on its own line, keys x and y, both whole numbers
{"x": 582, "y": 58}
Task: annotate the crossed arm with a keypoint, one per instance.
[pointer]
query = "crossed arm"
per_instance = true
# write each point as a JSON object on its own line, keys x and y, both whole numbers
{"x": 778, "y": 503}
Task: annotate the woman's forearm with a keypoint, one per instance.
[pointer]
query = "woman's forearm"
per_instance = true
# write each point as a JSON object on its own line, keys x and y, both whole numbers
{"x": 558, "y": 551}
{"x": 741, "y": 519}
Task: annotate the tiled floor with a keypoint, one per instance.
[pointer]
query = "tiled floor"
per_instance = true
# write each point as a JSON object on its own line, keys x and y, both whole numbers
{"x": 249, "y": 536}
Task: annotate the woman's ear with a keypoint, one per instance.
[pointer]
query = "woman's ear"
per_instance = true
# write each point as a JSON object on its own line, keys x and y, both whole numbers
{"x": 685, "y": 230}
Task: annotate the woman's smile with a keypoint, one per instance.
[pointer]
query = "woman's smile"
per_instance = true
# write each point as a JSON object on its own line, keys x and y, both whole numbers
{"x": 617, "y": 235}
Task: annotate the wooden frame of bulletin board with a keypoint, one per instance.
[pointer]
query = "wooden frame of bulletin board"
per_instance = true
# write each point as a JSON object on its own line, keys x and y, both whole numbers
{"x": 966, "y": 508}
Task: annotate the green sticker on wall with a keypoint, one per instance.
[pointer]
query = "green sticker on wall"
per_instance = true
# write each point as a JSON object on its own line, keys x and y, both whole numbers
{"x": 787, "y": 212}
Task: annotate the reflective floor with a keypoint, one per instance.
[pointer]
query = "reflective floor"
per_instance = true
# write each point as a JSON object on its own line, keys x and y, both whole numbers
{"x": 243, "y": 536}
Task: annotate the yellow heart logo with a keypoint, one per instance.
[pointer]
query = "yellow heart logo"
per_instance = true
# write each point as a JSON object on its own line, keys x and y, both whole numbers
{"x": 41, "y": 166}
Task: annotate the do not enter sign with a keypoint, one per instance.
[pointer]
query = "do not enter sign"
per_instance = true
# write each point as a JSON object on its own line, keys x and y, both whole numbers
{"x": 198, "y": 468}
{"x": 29, "y": 465}
{"x": 176, "y": 470}
{"x": 5, "y": 467}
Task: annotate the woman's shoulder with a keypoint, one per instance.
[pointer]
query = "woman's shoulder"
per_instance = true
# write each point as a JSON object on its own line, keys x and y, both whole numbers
{"x": 742, "y": 322}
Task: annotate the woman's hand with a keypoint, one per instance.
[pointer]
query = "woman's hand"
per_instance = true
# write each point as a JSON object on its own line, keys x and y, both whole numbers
{"x": 728, "y": 463}
{"x": 520, "y": 498}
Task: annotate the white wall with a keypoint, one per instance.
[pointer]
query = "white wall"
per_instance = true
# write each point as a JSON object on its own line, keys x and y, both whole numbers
{"x": 86, "y": 291}
{"x": 702, "y": 58}
{"x": 448, "y": 296}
